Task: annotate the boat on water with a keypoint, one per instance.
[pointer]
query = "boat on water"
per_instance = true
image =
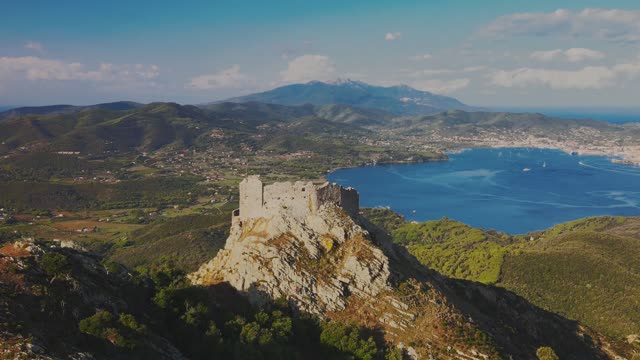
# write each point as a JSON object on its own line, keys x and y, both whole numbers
{"x": 526, "y": 169}
{"x": 544, "y": 165}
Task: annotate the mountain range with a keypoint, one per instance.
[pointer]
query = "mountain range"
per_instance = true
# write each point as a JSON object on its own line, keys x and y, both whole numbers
{"x": 398, "y": 100}
{"x": 8, "y": 112}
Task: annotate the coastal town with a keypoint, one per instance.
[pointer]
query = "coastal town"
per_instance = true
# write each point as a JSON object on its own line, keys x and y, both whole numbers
{"x": 620, "y": 146}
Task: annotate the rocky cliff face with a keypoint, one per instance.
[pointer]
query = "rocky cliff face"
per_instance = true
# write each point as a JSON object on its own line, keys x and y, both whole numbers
{"x": 317, "y": 262}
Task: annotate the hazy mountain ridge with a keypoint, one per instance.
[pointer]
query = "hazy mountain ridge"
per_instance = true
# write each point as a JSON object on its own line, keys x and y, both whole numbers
{"x": 150, "y": 127}
{"x": 399, "y": 100}
{"x": 463, "y": 121}
{"x": 153, "y": 126}
{"x": 65, "y": 109}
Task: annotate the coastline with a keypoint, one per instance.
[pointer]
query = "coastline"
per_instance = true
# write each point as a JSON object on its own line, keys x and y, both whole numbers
{"x": 629, "y": 159}
{"x": 627, "y": 156}
{"x": 391, "y": 162}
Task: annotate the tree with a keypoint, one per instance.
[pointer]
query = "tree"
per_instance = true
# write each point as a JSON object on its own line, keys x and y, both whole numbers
{"x": 54, "y": 264}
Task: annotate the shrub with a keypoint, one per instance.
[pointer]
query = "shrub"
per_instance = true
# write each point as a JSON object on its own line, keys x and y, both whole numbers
{"x": 348, "y": 339}
{"x": 129, "y": 321}
{"x": 102, "y": 324}
{"x": 54, "y": 264}
{"x": 546, "y": 353}
{"x": 97, "y": 324}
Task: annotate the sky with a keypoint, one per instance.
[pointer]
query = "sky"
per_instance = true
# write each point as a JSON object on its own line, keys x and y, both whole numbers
{"x": 544, "y": 53}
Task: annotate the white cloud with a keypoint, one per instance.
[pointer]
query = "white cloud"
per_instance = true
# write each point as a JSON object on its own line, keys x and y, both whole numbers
{"x": 570, "y": 55}
{"x": 224, "y": 79}
{"x": 582, "y": 54}
{"x": 37, "y": 69}
{"x": 421, "y": 57}
{"x": 606, "y": 24}
{"x": 433, "y": 72}
{"x": 442, "y": 86}
{"x": 34, "y": 45}
{"x": 549, "y": 55}
{"x": 590, "y": 77}
{"x": 308, "y": 67}
{"x": 391, "y": 36}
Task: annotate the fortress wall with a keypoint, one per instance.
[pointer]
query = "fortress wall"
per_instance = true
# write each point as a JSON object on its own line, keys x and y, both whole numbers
{"x": 295, "y": 199}
{"x": 251, "y": 190}
{"x": 350, "y": 200}
{"x": 335, "y": 194}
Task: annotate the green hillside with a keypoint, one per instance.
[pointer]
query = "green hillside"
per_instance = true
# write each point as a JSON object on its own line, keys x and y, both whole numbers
{"x": 455, "y": 249}
{"x": 590, "y": 275}
{"x": 461, "y": 123}
{"x": 587, "y": 270}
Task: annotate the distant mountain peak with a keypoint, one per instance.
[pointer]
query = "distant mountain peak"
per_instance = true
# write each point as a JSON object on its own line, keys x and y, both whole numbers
{"x": 398, "y": 99}
{"x": 345, "y": 81}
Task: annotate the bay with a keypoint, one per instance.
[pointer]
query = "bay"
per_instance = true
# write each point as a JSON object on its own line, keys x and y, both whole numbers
{"x": 515, "y": 190}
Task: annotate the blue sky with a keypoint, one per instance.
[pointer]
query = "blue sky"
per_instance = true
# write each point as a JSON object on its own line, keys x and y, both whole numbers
{"x": 506, "y": 53}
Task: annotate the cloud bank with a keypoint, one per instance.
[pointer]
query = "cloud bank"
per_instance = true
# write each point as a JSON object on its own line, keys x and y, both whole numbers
{"x": 308, "y": 67}
{"x": 570, "y": 55}
{"x": 605, "y": 24}
{"x": 225, "y": 79}
{"x": 443, "y": 87}
{"x": 34, "y": 68}
{"x": 589, "y": 77}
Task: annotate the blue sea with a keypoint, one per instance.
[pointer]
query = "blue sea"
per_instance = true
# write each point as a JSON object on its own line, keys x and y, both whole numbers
{"x": 515, "y": 190}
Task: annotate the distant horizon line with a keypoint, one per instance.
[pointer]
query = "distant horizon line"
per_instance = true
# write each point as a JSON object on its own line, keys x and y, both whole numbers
{"x": 629, "y": 109}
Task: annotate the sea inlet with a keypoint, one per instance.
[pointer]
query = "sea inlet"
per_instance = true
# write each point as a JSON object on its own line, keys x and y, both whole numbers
{"x": 515, "y": 190}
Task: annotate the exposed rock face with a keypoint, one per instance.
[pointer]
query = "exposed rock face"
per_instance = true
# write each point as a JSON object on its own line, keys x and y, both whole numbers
{"x": 308, "y": 244}
{"x": 298, "y": 241}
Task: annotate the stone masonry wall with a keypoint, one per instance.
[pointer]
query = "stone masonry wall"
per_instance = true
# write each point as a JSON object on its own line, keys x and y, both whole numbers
{"x": 295, "y": 199}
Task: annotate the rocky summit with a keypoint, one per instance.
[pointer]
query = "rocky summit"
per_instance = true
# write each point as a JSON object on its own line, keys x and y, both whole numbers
{"x": 299, "y": 241}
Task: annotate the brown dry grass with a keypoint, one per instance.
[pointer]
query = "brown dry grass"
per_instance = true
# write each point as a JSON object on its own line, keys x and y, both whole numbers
{"x": 15, "y": 250}
{"x": 9, "y": 274}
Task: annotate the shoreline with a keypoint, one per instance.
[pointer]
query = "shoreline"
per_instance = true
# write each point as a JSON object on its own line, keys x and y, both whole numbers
{"x": 399, "y": 162}
{"x": 614, "y": 158}
{"x": 629, "y": 158}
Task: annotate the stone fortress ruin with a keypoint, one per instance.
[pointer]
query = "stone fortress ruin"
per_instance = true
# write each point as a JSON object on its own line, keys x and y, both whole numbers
{"x": 297, "y": 199}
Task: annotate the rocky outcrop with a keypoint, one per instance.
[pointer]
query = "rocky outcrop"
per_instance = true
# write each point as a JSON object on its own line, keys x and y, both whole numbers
{"x": 317, "y": 260}
{"x": 42, "y": 303}
{"x": 329, "y": 261}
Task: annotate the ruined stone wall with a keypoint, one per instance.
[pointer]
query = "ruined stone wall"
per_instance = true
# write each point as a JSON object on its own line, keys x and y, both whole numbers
{"x": 294, "y": 199}
{"x": 346, "y": 198}
{"x": 251, "y": 190}
{"x": 297, "y": 199}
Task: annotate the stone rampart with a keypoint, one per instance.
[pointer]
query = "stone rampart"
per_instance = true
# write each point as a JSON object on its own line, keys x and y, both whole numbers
{"x": 294, "y": 199}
